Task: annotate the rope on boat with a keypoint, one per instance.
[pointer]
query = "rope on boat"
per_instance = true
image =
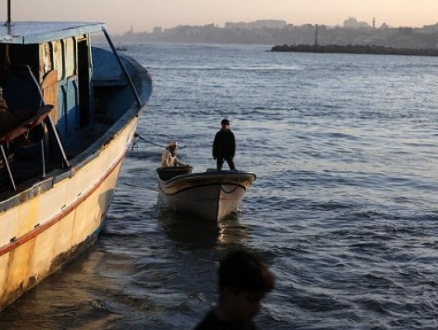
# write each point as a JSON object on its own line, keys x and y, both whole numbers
{"x": 137, "y": 136}
{"x": 232, "y": 190}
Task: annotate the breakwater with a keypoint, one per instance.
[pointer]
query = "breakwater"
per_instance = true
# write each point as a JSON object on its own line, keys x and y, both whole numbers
{"x": 355, "y": 49}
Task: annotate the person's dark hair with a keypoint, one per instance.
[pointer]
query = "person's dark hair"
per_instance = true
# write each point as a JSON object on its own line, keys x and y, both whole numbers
{"x": 243, "y": 271}
{"x": 225, "y": 122}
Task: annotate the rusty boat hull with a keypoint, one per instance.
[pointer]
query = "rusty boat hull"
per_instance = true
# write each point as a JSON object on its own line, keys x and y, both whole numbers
{"x": 57, "y": 183}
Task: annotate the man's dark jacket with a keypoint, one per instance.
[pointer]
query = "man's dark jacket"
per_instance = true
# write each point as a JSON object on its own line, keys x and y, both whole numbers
{"x": 224, "y": 144}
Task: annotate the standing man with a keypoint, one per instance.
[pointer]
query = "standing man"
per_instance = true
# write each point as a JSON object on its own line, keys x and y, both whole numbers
{"x": 224, "y": 146}
{"x": 243, "y": 283}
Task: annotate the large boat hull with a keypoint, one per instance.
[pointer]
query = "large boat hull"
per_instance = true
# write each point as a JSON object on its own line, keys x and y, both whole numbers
{"x": 211, "y": 195}
{"x": 41, "y": 235}
{"x": 68, "y": 117}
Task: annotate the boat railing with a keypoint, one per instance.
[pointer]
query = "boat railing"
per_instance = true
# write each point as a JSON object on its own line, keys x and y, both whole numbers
{"x": 22, "y": 130}
{"x": 122, "y": 66}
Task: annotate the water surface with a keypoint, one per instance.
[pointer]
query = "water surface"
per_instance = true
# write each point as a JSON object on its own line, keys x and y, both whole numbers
{"x": 344, "y": 209}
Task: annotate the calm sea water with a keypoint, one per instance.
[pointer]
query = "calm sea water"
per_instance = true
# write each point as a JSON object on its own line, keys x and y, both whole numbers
{"x": 344, "y": 209}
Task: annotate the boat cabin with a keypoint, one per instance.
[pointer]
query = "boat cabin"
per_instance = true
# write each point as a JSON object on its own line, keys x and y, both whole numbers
{"x": 45, "y": 95}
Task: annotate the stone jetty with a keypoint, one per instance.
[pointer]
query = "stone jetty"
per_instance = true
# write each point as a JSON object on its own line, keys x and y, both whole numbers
{"x": 355, "y": 49}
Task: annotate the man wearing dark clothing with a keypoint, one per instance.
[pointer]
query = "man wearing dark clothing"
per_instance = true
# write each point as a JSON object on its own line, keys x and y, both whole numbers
{"x": 212, "y": 322}
{"x": 224, "y": 146}
{"x": 243, "y": 282}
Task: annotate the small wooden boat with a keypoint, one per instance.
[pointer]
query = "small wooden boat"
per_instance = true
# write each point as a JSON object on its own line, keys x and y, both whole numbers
{"x": 121, "y": 48}
{"x": 211, "y": 195}
{"x": 68, "y": 114}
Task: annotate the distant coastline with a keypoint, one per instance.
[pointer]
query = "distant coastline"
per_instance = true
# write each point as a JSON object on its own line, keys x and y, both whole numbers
{"x": 355, "y": 49}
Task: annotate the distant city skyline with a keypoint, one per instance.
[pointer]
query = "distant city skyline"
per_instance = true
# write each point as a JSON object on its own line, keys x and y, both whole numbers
{"x": 144, "y": 15}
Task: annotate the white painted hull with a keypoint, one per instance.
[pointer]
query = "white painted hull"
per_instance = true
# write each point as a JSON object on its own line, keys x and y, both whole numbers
{"x": 40, "y": 235}
{"x": 210, "y": 195}
{"x": 62, "y": 144}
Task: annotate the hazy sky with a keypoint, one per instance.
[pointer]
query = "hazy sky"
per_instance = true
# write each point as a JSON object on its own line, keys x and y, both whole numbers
{"x": 143, "y": 15}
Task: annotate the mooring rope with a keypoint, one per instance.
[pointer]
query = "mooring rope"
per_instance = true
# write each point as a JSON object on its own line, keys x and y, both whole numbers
{"x": 137, "y": 136}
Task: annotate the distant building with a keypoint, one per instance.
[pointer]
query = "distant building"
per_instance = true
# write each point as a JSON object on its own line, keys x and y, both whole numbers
{"x": 405, "y": 32}
{"x": 157, "y": 30}
{"x": 431, "y": 28}
{"x": 259, "y": 24}
{"x": 236, "y": 25}
{"x": 130, "y": 32}
{"x": 269, "y": 24}
{"x": 352, "y": 23}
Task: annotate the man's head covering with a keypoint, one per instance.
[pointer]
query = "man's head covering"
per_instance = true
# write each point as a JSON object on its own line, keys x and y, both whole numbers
{"x": 173, "y": 143}
{"x": 225, "y": 122}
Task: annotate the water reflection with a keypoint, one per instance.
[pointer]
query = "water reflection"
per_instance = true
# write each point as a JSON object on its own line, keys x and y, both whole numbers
{"x": 232, "y": 232}
{"x": 197, "y": 232}
{"x": 49, "y": 306}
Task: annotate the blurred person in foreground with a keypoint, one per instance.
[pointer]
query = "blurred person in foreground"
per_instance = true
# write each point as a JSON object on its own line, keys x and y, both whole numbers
{"x": 243, "y": 283}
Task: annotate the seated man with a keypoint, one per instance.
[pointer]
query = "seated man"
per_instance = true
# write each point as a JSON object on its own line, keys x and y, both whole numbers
{"x": 168, "y": 157}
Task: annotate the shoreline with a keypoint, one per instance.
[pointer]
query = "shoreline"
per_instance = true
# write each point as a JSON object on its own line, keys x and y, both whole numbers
{"x": 355, "y": 49}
